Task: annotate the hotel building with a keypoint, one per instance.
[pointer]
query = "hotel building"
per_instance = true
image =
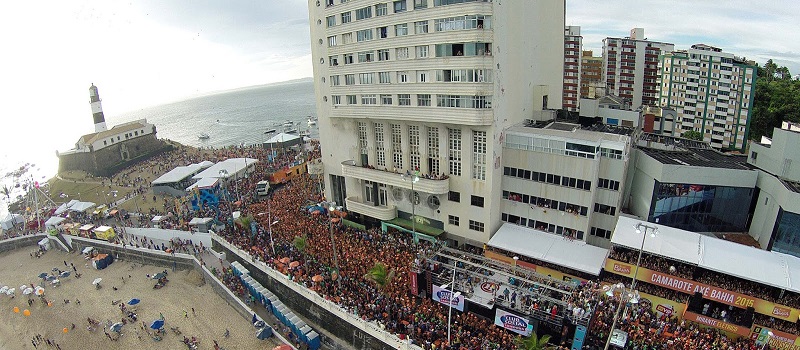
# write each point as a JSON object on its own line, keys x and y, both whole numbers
{"x": 630, "y": 67}
{"x": 573, "y": 45}
{"x": 427, "y": 87}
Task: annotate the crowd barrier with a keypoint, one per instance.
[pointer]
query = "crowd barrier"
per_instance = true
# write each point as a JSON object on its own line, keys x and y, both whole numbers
{"x": 372, "y": 328}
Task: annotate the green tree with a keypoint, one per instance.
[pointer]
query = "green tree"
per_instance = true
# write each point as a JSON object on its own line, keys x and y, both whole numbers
{"x": 777, "y": 99}
{"x": 380, "y": 275}
{"x": 300, "y": 243}
{"x": 692, "y": 135}
{"x": 245, "y": 221}
{"x": 533, "y": 342}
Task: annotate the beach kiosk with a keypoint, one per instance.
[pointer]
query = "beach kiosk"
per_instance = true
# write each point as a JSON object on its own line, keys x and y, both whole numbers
{"x": 105, "y": 232}
{"x": 157, "y": 221}
{"x": 201, "y": 224}
{"x": 85, "y": 230}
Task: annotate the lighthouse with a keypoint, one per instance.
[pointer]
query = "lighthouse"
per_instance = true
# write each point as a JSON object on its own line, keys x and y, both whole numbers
{"x": 97, "y": 110}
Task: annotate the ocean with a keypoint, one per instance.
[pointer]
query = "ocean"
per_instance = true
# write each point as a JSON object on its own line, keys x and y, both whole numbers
{"x": 232, "y": 117}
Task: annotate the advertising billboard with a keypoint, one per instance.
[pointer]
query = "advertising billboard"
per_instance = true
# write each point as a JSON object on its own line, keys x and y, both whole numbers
{"x": 443, "y": 296}
{"x": 513, "y": 322}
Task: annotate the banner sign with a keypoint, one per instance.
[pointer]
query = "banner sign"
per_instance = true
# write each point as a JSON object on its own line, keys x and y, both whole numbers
{"x": 713, "y": 322}
{"x": 577, "y": 340}
{"x": 709, "y": 292}
{"x": 414, "y": 286}
{"x": 533, "y": 267}
{"x": 513, "y": 322}
{"x": 778, "y": 340}
{"x": 443, "y": 296}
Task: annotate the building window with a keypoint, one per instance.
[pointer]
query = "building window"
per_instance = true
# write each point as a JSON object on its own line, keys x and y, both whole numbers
{"x": 346, "y": 17}
{"x": 383, "y": 32}
{"x": 402, "y": 77}
{"x": 364, "y": 13}
{"x": 479, "y": 155}
{"x": 420, "y": 27}
{"x": 349, "y": 79}
{"x": 423, "y": 99}
{"x": 605, "y": 209}
{"x": 365, "y": 78}
{"x": 454, "y": 151}
{"x": 352, "y": 100}
{"x": 347, "y": 38}
{"x": 348, "y": 58}
{"x": 397, "y": 145}
{"x": 370, "y": 99}
{"x": 476, "y": 225}
{"x": 333, "y": 60}
{"x": 362, "y": 142}
{"x": 381, "y": 10}
{"x": 422, "y": 76}
{"x": 452, "y": 220}
{"x": 401, "y": 29}
{"x": 384, "y": 77}
{"x": 476, "y": 201}
{"x": 420, "y": 4}
{"x": 404, "y": 99}
{"x": 330, "y": 21}
{"x": 366, "y": 56}
{"x": 379, "y": 148}
{"x": 599, "y": 232}
{"x": 400, "y": 6}
{"x": 454, "y": 196}
{"x": 401, "y": 53}
{"x": 334, "y": 80}
{"x": 433, "y": 151}
{"x": 413, "y": 143}
{"x": 422, "y": 51}
{"x": 386, "y": 100}
{"x": 364, "y": 35}
{"x": 336, "y": 99}
{"x": 383, "y": 55}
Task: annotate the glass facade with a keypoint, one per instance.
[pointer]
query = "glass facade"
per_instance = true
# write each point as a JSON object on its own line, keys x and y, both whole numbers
{"x": 787, "y": 233}
{"x": 702, "y": 208}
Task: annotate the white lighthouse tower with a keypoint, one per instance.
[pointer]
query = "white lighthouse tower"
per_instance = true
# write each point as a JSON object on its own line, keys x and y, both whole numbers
{"x": 97, "y": 110}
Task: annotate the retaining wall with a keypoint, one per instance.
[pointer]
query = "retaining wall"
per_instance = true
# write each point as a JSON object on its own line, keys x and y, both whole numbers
{"x": 20, "y": 242}
{"x": 344, "y": 325}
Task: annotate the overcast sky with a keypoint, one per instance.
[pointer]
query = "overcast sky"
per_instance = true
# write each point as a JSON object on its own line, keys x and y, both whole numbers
{"x": 142, "y": 53}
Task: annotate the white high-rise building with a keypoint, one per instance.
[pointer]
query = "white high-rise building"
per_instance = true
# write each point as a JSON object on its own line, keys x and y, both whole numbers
{"x": 713, "y": 93}
{"x": 428, "y": 86}
{"x": 630, "y": 67}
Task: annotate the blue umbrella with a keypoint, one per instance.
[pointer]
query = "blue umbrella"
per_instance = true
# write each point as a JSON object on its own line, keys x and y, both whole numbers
{"x": 133, "y": 301}
{"x": 50, "y": 278}
{"x": 157, "y": 324}
{"x": 43, "y": 275}
{"x": 65, "y": 274}
{"x": 117, "y": 327}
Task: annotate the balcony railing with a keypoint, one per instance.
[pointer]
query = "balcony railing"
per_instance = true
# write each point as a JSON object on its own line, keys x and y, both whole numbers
{"x": 383, "y": 213}
{"x": 432, "y": 186}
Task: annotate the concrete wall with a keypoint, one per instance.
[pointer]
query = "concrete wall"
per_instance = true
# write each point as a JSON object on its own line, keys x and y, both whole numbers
{"x": 109, "y": 160}
{"x": 20, "y": 242}
{"x": 359, "y": 333}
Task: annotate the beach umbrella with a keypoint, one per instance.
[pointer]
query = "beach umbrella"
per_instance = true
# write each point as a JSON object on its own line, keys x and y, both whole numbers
{"x": 43, "y": 275}
{"x": 26, "y": 312}
{"x": 97, "y": 281}
{"x": 159, "y": 276}
{"x": 56, "y": 282}
{"x": 157, "y": 324}
{"x": 264, "y": 333}
{"x": 133, "y": 302}
{"x": 50, "y": 278}
{"x": 65, "y": 274}
{"x": 27, "y": 291}
{"x": 4, "y": 289}
{"x": 11, "y": 291}
{"x": 117, "y": 327}
{"x": 39, "y": 291}
{"x": 317, "y": 278}
{"x": 16, "y": 310}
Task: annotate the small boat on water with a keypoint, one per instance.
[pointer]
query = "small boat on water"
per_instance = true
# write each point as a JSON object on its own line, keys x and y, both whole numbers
{"x": 288, "y": 123}
{"x": 270, "y": 131}
{"x": 203, "y": 136}
{"x": 290, "y": 130}
{"x": 305, "y": 133}
{"x": 311, "y": 122}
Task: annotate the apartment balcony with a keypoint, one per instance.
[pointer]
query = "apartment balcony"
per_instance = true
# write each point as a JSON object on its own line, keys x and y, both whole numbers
{"x": 432, "y": 186}
{"x": 383, "y": 213}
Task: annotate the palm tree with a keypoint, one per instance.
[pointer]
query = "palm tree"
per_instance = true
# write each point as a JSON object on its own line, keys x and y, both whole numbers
{"x": 533, "y": 343}
{"x": 245, "y": 221}
{"x": 300, "y": 243}
{"x": 380, "y": 275}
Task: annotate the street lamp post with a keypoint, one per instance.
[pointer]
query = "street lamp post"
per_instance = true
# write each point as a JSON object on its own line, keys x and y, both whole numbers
{"x": 413, "y": 179}
{"x": 653, "y": 231}
{"x": 271, "y": 241}
{"x": 331, "y": 206}
{"x": 453, "y": 296}
{"x": 625, "y": 296}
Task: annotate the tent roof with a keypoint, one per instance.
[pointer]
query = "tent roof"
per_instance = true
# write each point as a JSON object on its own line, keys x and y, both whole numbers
{"x": 64, "y": 207}
{"x": 10, "y": 217}
{"x": 180, "y": 173}
{"x": 550, "y": 248}
{"x": 232, "y": 166}
{"x": 82, "y": 206}
{"x": 714, "y": 254}
{"x": 55, "y": 220}
{"x": 205, "y": 182}
{"x": 197, "y": 221}
{"x": 282, "y": 137}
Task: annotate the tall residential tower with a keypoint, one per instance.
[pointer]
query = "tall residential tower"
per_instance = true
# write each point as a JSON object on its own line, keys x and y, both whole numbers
{"x": 426, "y": 87}
{"x": 573, "y": 45}
{"x": 630, "y": 67}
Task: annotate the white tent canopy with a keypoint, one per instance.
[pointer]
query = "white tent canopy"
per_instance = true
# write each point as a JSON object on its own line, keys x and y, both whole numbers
{"x": 711, "y": 253}
{"x": 551, "y": 248}
{"x": 182, "y": 172}
{"x": 232, "y": 167}
{"x": 64, "y": 207}
{"x": 82, "y": 206}
{"x": 205, "y": 182}
{"x": 281, "y": 138}
{"x": 11, "y": 219}
{"x": 53, "y": 221}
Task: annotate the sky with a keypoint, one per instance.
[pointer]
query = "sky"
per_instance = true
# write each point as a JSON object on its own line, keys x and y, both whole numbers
{"x": 146, "y": 52}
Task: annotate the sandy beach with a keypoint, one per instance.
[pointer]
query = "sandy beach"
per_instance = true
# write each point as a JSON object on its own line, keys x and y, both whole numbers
{"x": 184, "y": 291}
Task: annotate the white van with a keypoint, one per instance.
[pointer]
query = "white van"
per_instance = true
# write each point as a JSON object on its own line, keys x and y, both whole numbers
{"x": 262, "y": 188}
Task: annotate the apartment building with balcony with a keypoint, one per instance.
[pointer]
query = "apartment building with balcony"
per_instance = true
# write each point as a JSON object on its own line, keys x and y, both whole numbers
{"x": 712, "y": 91}
{"x": 630, "y": 67}
{"x": 426, "y": 87}
{"x": 573, "y": 45}
{"x": 591, "y": 75}
{"x": 565, "y": 179}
